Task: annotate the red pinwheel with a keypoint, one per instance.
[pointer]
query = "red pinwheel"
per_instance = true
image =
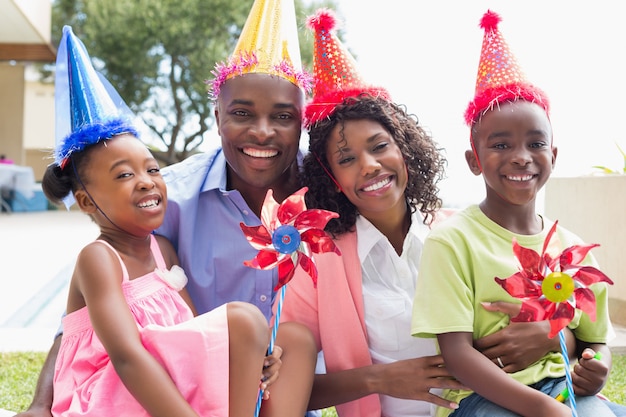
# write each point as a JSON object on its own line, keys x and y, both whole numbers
{"x": 552, "y": 288}
{"x": 288, "y": 235}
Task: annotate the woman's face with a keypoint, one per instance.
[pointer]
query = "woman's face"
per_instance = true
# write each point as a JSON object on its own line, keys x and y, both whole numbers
{"x": 368, "y": 165}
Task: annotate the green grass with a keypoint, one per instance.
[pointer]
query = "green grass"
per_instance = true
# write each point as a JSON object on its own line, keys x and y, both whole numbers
{"x": 19, "y": 372}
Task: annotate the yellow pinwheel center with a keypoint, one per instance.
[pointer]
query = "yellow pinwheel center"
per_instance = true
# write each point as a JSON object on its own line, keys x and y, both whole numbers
{"x": 557, "y": 287}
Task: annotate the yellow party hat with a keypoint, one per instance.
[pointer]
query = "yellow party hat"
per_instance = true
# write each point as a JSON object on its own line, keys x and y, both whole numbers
{"x": 268, "y": 44}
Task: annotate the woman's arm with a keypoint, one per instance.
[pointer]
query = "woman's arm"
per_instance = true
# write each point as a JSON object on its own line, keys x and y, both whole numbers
{"x": 99, "y": 279}
{"x": 408, "y": 379}
{"x": 485, "y": 378}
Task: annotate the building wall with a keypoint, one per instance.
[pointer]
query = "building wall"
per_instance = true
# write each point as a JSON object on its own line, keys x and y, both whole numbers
{"x": 38, "y": 124}
{"x": 12, "y": 111}
{"x": 593, "y": 207}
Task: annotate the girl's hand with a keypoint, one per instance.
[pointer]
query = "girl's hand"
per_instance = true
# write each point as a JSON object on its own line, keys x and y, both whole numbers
{"x": 590, "y": 374}
{"x": 271, "y": 366}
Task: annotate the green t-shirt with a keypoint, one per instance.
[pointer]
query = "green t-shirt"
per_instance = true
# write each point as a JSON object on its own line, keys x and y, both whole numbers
{"x": 460, "y": 259}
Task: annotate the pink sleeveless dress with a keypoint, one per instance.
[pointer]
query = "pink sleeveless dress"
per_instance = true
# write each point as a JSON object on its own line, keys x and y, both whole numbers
{"x": 194, "y": 351}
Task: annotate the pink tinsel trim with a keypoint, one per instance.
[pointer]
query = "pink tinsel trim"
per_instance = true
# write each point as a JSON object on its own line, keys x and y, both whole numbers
{"x": 245, "y": 64}
{"x": 492, "y": 97}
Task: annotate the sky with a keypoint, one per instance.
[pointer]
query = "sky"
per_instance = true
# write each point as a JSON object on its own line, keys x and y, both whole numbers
{"x": 425, "y": 52}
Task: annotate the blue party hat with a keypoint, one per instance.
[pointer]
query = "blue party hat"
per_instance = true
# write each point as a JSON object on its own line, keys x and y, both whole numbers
{"x": 88, "y": 109}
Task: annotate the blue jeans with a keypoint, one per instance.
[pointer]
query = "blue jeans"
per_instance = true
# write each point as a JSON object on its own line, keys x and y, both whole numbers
{"x": 590, "y": 406}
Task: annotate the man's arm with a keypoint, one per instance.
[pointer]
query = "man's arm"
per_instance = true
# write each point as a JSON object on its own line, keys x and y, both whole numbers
{"x": 42, "y": 399}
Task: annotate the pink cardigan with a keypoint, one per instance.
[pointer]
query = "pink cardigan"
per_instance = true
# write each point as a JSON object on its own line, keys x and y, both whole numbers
{"x": 334, "y": 313}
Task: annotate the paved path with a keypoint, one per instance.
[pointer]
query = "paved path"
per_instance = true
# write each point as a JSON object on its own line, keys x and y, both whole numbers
{"x": 37, "y": 253}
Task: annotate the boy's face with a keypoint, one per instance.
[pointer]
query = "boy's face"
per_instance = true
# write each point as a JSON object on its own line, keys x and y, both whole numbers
{"x": 259, "y": 119}
{"x": 513, "y": 143}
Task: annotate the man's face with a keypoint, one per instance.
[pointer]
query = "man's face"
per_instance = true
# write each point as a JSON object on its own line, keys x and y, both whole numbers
{"x": 259, "y": 119}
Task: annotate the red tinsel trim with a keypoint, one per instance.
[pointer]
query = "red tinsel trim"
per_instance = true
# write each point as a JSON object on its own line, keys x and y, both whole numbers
{"x": 324, "y": 106}
{"x": 492, "y": 97}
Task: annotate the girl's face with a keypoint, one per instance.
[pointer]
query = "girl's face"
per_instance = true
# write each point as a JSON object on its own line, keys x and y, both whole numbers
{"x": 514, "y": 146}
{"x": 368, "y": 165}
{"x": 124, "y": 180}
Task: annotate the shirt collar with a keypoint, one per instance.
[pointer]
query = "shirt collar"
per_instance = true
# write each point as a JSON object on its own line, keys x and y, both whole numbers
{"x": 368, "y": 235}
{"x": 216, "y": 179}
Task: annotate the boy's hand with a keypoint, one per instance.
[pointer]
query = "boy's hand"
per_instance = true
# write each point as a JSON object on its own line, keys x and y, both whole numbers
{"x": 590, "y": 373}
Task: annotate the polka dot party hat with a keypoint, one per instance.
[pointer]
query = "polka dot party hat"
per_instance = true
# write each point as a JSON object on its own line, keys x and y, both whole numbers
{"x": 335, "y": 74}
{"x": 500, "y": 78}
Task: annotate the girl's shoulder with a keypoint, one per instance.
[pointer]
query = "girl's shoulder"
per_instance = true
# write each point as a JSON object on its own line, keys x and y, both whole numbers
{"x": 167, "y": 251}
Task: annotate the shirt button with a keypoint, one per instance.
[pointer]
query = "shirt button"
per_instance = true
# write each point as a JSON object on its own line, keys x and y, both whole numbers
{"x": 246, "y": 212}
{"x": 263, "y": 298}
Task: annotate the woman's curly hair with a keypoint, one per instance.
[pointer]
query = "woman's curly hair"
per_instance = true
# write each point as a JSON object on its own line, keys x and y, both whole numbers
{"x": 424, "y": 161}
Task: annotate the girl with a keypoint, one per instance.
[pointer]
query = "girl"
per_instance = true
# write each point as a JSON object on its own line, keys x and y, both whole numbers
{"x": 131, "y": 345}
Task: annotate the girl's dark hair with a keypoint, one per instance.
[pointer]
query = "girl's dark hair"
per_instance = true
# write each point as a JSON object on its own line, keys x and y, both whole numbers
{"x": 424, "y": 161}
{"x": 57, "y": 183}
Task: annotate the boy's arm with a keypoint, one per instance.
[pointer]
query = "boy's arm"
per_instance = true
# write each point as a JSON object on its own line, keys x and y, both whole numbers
{"x": 477, "y": 372}
{"x": 42, "y": 400}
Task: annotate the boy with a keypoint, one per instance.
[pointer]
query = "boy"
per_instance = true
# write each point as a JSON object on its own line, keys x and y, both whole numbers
{"x": 511, "y": 138}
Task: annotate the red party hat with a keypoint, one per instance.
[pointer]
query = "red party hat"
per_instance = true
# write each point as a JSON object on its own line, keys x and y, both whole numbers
{"x": 500, "y": 78}
{"x": 336, "y": 77}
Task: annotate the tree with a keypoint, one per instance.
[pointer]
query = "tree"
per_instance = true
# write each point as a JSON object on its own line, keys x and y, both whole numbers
{"x": 159, "y": 54}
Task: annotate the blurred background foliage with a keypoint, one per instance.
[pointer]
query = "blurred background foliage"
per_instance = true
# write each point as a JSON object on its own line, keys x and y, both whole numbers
{"x": 159, "y": 54}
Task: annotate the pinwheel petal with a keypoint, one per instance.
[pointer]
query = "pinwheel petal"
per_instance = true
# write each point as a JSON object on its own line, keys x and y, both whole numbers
{"x": 268, "y": 212}
{"x": 589, "y": 275}
{"x": 286, "y": 271}
{"x": 518, "y": 286}
{"x": 291, "y": 207}
{"x": 561, "y": 317}
{"x": 586, "y": 301}
{"x": 574, "y": 255}
{"x": 533, "y": 309}
{"x": 314, "y": 219}
{"x": 265, "y": 259}
{"x": 308, "y": 266}
{"x": 529, "y": 260}
{"x": 258, "y": 236}
{"x": 319, "y": 241}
